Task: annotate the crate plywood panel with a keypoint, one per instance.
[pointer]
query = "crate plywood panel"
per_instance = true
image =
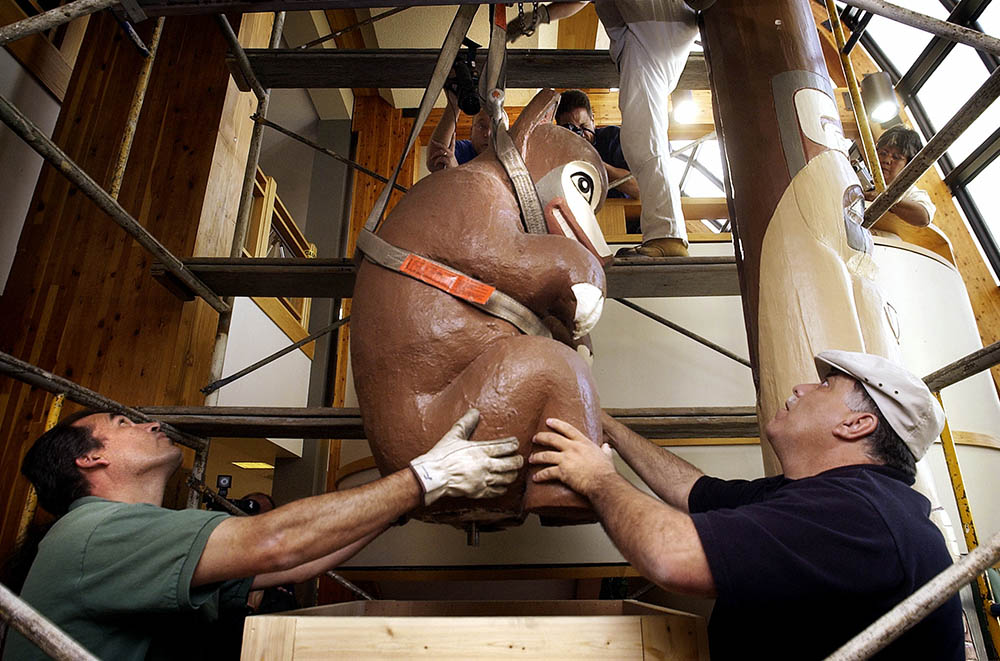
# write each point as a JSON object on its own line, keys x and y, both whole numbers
{"x": 582, "y": 629}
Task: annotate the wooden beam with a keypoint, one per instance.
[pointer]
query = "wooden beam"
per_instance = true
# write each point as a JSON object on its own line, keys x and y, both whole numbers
{"x": 334, "y": 278}
{"x": 187, "y": 7}
{"x": 345, "y": 423}
{"x": 412, "y": 68}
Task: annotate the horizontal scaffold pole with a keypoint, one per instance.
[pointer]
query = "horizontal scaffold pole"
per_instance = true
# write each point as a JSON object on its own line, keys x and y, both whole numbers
{"x": 39, "y": 630}
{"x": 920, "y": 604}
{"x": 943, "y": 29}
{"x": 188, "y": 7}
{"x": 964, "y": 367}
{"x": 56, "y": 157}
{"x": 52, "y": 18}
{"x": 39, "y": 378}
{"x": 935, "y": 148}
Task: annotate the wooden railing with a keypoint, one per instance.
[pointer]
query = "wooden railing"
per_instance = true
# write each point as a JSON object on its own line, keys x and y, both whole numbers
{"x": 272, "y": 232}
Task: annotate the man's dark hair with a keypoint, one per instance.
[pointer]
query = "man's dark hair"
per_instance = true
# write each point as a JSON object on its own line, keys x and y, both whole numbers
{"x": 906, "y": 141}
{"x": 884, "y": 444}
{"x": 50, "y": 463}
{"x": 573, "y": 99}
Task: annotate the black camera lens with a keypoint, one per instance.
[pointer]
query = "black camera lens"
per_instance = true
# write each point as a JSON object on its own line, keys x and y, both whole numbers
{"x": 574, "y": 128}
{"x": 581, "y": 131}
{"x": 465, "y": 82}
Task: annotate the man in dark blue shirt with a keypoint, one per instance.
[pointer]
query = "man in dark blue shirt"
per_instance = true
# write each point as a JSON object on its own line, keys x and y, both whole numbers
{"x": 575, "y": 113}
{"x": 801, "y": 562}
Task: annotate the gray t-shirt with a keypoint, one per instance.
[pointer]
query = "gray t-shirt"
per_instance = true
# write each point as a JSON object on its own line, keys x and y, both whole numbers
{"x": 107, "y": 573}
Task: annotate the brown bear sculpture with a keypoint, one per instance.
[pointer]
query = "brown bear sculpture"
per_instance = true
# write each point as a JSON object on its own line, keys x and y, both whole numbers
{"x": 421, "y": 356}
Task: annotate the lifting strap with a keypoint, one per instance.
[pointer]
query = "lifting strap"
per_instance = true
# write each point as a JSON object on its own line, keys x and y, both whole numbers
{"x": 379, "y": 251}
{"x": 527, "y": 196}
{"x": 452, "y": 44}
{"x": 475, "y": 292}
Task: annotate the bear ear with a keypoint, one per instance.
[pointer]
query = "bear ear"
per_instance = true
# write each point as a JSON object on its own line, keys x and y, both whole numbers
{"x": 539, "y": 111}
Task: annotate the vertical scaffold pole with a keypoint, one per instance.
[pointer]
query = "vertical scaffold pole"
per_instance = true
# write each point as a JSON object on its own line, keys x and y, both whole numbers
{"x": 198, "y": 475}
{"x": 31, "y": 498}
{"x": 125, "y": 149}
{"x": 242, "y": 219}
{"x": 860, "y": 114}
{"x": 968, "y": 525}
{"x": 246, "y": 195}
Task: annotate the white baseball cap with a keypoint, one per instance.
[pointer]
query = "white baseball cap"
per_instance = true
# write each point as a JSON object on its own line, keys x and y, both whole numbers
{"x": 903, "y": 399}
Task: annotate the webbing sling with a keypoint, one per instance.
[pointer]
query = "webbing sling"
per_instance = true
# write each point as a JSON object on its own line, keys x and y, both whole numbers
{"x": 381, "y": 252}
{"x": 452, "y": 43}
{"x": 524, "y": 187}
{"x": 475, "y": 292}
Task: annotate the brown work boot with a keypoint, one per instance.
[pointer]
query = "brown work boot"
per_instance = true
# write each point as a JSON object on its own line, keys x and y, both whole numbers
{"x": 667, "y": 247}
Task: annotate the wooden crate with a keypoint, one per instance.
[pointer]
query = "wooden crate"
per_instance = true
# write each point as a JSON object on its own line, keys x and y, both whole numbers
{"x": 584, "y": 629}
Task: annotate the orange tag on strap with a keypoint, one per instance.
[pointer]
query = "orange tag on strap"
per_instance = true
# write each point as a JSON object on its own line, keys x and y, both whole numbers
{"x": 447, "y": 280}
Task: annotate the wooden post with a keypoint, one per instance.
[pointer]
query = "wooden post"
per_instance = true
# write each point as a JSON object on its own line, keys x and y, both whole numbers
{"x": 805, "y": 263}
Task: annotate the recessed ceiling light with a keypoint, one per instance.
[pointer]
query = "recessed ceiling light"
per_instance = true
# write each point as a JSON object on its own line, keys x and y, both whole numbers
{"x": 253, "y": 465}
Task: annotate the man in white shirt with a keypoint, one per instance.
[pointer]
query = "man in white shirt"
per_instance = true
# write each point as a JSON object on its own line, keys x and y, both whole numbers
{"x": 897, "y": 147}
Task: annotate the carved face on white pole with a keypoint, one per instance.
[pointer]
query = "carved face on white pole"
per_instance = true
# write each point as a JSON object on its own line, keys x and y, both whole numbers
{"x": 570, "y": 195}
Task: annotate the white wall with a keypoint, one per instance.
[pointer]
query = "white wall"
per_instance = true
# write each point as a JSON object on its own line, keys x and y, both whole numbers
{"x": 284, "y": 382}
{"x": 19, "y": 164}
{"x": 937, "y": 326}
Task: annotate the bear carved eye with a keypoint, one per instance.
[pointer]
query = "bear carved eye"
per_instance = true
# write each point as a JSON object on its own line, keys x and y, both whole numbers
{"x": 585, "y": 184}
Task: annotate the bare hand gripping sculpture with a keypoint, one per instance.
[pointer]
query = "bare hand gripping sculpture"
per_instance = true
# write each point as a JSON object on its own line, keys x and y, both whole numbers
{"x": 422, "y": 356}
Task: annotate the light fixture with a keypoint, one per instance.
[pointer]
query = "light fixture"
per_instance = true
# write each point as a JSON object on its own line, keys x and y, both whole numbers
{"x": 258, "y": 465}
{"x": 880, "y": 100}
{"x": 684, "y": 109}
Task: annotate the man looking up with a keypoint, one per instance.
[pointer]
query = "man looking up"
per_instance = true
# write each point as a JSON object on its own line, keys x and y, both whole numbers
{"x": 801, "y": 562}
{"x": 896, "y": 148}
{"x": 575, "y": 113}
{"x": 116, "y": 562}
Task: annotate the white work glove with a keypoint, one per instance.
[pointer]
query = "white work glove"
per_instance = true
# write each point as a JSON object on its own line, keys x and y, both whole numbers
{"x": 525, "y": 24}
{"x": 457, "y": 466}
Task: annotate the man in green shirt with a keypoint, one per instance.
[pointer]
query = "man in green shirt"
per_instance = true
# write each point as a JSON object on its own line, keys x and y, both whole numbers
{"x": 116, "y": 562}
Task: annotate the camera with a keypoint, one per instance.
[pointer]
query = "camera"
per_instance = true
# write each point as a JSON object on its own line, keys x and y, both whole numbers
{"x": 465, "y": 82}
{"x": 861, "y": 168}
{"x": 224, "y": 483}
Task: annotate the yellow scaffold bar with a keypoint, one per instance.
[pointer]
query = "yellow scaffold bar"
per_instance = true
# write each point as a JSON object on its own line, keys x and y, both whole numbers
{"x": 968, "y": 527}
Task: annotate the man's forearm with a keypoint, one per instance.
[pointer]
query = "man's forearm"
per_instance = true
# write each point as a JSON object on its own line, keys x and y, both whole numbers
{"x": 316, "y": 567}
{"x": 306, "y": 529}
{"x": 444, "y": 131}
{"x": 912, "y": 213}
{"x": 660, "y": 541}
{"x": 669, "y": 476}
{"x": 560, "y": 10}
{"x": 630, "y": 187}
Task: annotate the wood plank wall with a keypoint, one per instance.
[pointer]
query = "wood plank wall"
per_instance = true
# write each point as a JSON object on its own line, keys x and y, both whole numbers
{"x": 80, "y": 301}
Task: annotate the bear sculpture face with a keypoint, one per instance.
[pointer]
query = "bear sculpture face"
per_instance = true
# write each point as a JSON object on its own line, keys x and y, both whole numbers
{"x": 421, "y": 357}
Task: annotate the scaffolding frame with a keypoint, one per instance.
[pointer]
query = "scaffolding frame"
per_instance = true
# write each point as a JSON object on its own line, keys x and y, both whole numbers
{"x": 877, "y": 636}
